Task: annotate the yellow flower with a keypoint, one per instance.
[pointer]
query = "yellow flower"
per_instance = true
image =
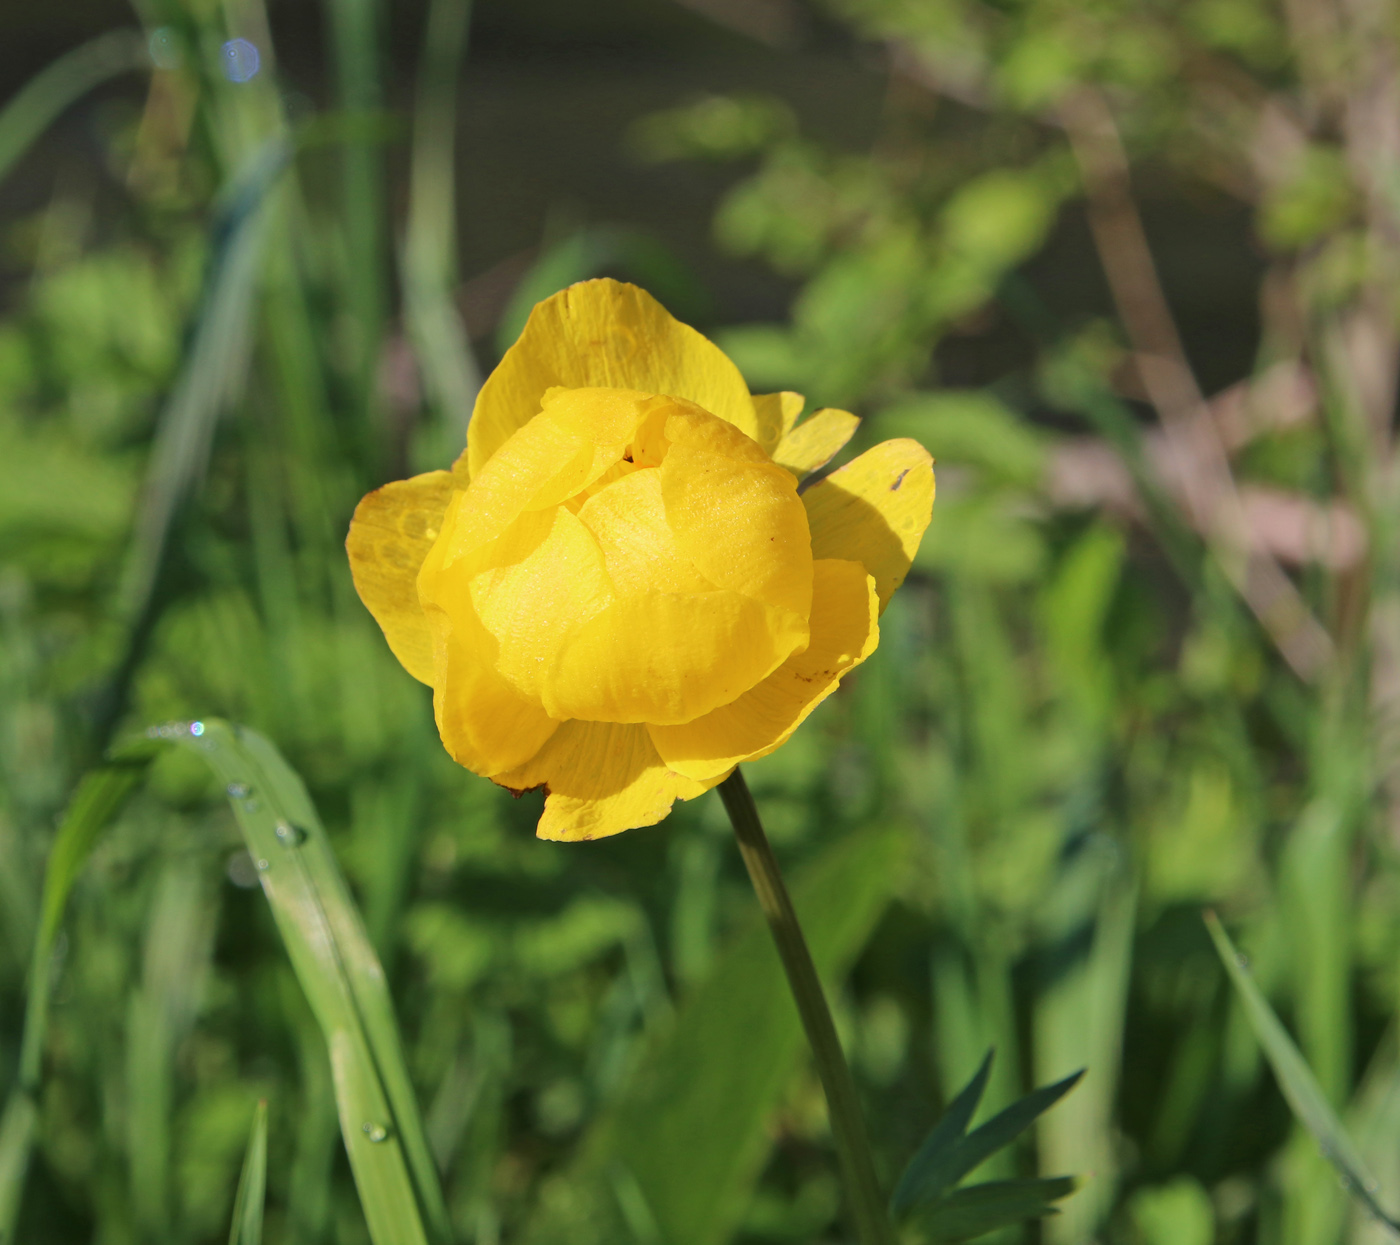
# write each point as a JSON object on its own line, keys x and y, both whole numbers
{"x": 617, "y": 592}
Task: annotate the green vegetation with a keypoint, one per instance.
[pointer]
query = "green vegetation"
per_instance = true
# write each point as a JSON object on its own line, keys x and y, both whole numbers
{"x": 1147, "y": 663}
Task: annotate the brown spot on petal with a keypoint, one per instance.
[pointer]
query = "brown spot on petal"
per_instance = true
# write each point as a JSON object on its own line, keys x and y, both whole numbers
{"x": 899, "y": 480}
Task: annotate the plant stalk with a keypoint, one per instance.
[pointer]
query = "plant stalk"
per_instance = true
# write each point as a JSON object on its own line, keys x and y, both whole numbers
{"x": 867, "y": 1202}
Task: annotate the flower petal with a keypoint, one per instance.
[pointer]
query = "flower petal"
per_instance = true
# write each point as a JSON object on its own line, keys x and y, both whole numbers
{"x": 845, "y": 632}
{"x": 530, "y": 587}
{"x": 667, "y": 657}
{"x": 485, "y": 722}
{"x": 603, "y": 334}
{"x": 736, "y": 515}
{"x": 777, "y": 413}
{"x": 814, "y": 441}
{"x": 390, "y": 535}
{"x": 874, "y": 511}
{"x": 628, "y": 519}
{"x": 600, "y": 779}
{"x": 557, "y": 454}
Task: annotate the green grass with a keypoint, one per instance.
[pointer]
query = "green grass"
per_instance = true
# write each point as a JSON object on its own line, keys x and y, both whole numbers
{"x": 1076, "y": 735}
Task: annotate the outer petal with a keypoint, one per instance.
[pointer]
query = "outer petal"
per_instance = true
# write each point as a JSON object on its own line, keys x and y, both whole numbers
{"x": 603, "y": 334}
{"x": 845, "y": 632}
{"x": 874, "y": 511}
{"x": 601, "y": 779}
{"x": 777, "y": 413}
{"x": 485, "y": 723}
{"x": 390, "y": 535}
{"x": 814, "y": 441}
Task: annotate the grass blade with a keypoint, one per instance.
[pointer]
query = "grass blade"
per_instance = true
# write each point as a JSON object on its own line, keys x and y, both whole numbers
{"x": 97, "y": 800}
{"x": 343, "y": 981}
{"x": 38, "y": 103}
{"x": 213, "y": 369}
{"x": 1295, "y": 1078}
{"x": 252, "y": 1185}
{"x": 430, "y": 244}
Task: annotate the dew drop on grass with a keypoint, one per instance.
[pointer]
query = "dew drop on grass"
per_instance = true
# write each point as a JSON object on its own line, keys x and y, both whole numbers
{"x": 239, "y": 790}
{"x": 264, "y": 864}
{"x": 375, "y": 1132}
{"x": 292, "y": 836}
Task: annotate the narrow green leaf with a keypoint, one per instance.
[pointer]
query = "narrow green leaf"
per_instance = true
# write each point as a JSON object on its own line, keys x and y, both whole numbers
{"x": 38, "y": 103}
{"x": 926, "y": 1175}
{"x": 97, "y": 800}
{"x": 1004, "y": 1127}
{"x": 1295, "y": 1078}
{"x": 252, "y": 1185}
{"x": 343, "y": 980}
{"x": 982, "y": 1208}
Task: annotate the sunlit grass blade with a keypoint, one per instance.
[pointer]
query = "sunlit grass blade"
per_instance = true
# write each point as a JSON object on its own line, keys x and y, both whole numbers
{"x": 252, "y": 1185}
{"x": 39, "y": 102}
{"x": 1296, "y": 1080}
{"x": 214, "y": 367}
{"x": 97, "y": 800}
{"x": 343, "y": 981}
{"x": 430, "y": 242}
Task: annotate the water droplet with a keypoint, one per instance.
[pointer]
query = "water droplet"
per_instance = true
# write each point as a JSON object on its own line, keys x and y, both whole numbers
{"x": 240, "y": 60}
{"x": 196, "y": 729}
{"x": 241, "y": 870}
{"x": 376, "y": 1132}
{"x": 1242, "y": 960}
{"x": 239, "y": 790}
{"x": 251, "y": 805}
{"x": 264, "y": 864}
{"x": 291, "y": 835}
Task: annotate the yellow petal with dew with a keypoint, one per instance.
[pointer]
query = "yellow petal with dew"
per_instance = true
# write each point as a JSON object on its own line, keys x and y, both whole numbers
{"x": 874, "y": 511}
{"x": 485, "y": 722}
{"x": 603, "y": 334}
{"x": 391, "y": 533}
{"x": 814, "y": 442}
{"x": 845, "y": 631}
{"x": 736, "y": 515}
{"x": 667, "y": 657}
{"x": 777, "y": 413}
{"x": 601, "y": 778}
{"x": 628, "y": 519}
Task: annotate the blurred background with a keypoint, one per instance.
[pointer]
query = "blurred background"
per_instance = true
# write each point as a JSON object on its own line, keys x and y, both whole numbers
{"x": 1127, "y": 268}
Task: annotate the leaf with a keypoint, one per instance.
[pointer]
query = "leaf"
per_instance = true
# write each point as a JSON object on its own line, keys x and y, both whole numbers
{"x": 926, "y": 1175}
{"x": 330, "y": 954}
{"x": 690, "y": 1130}
{"x": 252, "y": 1185}
{"x": 98, "y": 799}
{"x": 344, "y": 983}
{"x": 947, "y": 1155}
{"x": 1295, "y": 1078}
{"x": 983, "y": 1208}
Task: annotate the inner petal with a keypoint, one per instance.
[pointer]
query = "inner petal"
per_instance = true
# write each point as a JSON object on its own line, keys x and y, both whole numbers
{"x": 628, "y": 518}
{"x": 544, "y": 576}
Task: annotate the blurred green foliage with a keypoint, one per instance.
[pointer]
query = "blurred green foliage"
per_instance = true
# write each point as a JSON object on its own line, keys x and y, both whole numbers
{"x": 1146, "y": 662}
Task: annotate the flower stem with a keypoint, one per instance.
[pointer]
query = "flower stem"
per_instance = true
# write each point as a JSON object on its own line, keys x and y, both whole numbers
{"x": 867, "y": 1203}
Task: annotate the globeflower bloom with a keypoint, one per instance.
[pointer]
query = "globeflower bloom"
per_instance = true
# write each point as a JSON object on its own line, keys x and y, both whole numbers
{"x": 617, "y": 592}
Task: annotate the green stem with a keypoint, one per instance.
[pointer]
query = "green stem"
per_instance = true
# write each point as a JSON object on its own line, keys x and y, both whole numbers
{"x": 867, "y": 1203}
